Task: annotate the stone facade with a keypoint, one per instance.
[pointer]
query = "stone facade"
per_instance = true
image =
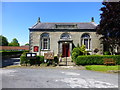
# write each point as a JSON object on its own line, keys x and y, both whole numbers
{"x": 62, "y": 38}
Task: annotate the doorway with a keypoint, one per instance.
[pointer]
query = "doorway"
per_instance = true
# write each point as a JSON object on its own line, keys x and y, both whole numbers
{"x": 65, "y": 50}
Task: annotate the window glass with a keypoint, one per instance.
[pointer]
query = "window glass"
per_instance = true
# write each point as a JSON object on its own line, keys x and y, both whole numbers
{"x": 45, "y": 41}
{"x": 85, "y": 40}
{"x": 86, "y": 43}
{"x": 65, "y": 36}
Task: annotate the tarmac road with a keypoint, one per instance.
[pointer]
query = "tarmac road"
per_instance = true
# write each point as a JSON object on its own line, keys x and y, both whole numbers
{"x": 56, "y": 78}
{"x": 10, "y": 61}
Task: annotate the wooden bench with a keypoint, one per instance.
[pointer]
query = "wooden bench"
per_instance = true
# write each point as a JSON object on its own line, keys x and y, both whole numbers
{"x": 109, "y": 61}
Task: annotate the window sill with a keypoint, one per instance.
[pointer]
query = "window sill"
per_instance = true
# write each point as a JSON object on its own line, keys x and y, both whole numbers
{"x": 45, "y": 49}
{"x": 88, "y": 50}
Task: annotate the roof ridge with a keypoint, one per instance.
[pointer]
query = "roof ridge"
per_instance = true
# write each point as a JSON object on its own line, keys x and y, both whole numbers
{"x": 51, "y": 25}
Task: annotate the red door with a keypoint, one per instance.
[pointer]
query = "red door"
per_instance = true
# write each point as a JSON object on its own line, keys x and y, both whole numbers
{"x": 65, "y": 50}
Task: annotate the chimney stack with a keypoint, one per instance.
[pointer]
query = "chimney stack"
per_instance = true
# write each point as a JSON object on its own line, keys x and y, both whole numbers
{"x": 92, "y": 19}
{"x": 38, "y": 20}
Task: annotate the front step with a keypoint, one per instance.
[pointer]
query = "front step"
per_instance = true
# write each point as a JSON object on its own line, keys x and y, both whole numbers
{"x": 69, "y": 62}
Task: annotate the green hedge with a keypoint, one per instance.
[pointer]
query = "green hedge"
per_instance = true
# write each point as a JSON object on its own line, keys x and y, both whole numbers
{"x": 37, "y": 61}
{"x": 11, "y": 54}
{"x": 23, "y": 60}
{"x": 5, "y": 53}
{"x": 95, "y": 59}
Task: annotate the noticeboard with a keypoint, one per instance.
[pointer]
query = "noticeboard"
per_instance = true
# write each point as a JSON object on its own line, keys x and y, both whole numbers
{"x": 31, "y": 55}
{"x": 49, "y": 55}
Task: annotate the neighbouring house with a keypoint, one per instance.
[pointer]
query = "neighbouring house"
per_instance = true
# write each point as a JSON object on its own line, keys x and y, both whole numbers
{"x": 61, "y": 38}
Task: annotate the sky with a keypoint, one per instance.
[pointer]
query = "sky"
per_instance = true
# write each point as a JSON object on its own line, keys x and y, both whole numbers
{"x": 17, "y": 17}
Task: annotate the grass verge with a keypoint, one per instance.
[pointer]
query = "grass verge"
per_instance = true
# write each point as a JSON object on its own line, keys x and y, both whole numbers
{"x": 103, "y": 68}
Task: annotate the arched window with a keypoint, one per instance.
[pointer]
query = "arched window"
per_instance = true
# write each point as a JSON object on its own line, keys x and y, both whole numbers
{"x": 86, "y": 40}
{"x": 65, "y": 36}
{"x": 45, "y": 41}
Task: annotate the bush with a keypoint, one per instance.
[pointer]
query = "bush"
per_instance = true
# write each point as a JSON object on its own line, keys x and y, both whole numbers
{"x": 56, "y": 59}
{"x": 23, "y": 60}
{"x": 41, "y": 59}
{"x": 95, "y": 59}
{"x": 76, "y": 52}
{"x": 106, "y": 53}
{"x": 74, "y": 56}
{"x": 52, "y": 62}
{"x": 37, "y": 61}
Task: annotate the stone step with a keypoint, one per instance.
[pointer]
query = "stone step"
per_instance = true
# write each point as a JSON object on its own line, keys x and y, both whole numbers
{"x": 68, "y": 63}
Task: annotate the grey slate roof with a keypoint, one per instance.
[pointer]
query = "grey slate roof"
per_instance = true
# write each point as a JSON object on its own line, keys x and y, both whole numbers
{"x": 89, "y": 25}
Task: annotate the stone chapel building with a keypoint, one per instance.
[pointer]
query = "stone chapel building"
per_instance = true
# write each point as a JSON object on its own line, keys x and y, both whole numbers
{"x": 61, "y": 38}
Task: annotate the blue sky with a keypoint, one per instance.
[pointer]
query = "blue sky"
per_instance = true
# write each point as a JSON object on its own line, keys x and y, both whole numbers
{"x": 17, "y": 17}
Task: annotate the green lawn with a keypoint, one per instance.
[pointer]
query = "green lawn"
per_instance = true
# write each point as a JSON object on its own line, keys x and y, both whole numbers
{"x": 103, "y": 68}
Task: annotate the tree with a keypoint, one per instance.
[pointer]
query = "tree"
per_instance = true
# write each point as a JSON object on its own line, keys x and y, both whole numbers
{"x": 27, "y": 44}
{"x": 109, "y": 26}
{"x": 3, "y": 41}
{"x": 14, "y": 42}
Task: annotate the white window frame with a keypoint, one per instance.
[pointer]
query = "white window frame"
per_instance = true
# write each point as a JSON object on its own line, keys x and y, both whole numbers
{"x": 88, "y": 42}
{"x": 42, "y": 43}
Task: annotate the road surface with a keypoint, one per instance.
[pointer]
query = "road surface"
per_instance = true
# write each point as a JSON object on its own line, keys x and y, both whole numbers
{"x": 10, "y": 61}
{"x": 56, "y": 78}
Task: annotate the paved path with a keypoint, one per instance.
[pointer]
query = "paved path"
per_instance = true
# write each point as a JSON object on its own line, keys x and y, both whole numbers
{"x": 56, "y": 78}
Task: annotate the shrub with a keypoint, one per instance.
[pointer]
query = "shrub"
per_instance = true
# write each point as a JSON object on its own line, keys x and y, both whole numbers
{"x": 52, "y": 62}
{"x": 95, "y": 59}
{"x": 37, "y": 61}
{"x": 41, "y": 59}
{"x": 106, "y": 53}
{"x": 74, "y": 56}
{"x": 76, "y": 52}
{"x": 56, "y": 59}
{"x": 23, "y": 60}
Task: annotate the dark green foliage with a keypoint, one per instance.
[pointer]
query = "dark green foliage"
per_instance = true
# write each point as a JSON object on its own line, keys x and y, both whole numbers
{"x": 25, "y": 61}
{"x": 106, "y": 53}
{"x": 78, "y": 51}
{"x": 95, "y": 59}
{"x": 3, "y": 41}
{"x": 56, "y": 59}
{"x": 27, "y": 44}
{"x": 109, "y": 25}
{"x": 10, "y": 54}
{"x": 53, "y": 62}
{"x": 74, "y": 56}
{"x": 41, "y": 59}
{"x": 14, "y": 42}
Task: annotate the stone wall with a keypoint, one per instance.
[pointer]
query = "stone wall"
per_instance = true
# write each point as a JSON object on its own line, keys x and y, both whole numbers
{"x": 55, "y": 37}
